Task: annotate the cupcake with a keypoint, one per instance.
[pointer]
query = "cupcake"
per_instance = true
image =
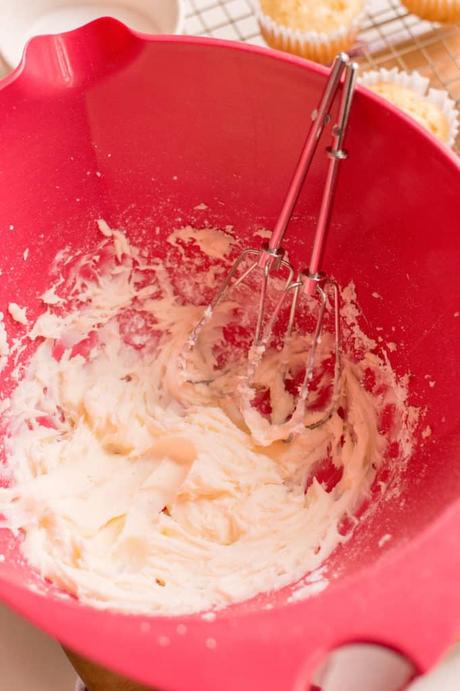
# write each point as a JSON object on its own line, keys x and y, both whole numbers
{"x": 314, "y": 29}
{"x": 431, "y": 108}
{"x": 435, "y": 10}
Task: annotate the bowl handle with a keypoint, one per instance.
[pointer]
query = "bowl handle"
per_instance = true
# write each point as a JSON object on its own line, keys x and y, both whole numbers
{"x": 409, "y": 602}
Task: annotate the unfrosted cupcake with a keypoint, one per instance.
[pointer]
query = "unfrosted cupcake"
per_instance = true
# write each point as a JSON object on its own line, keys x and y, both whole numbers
{"x": 314, "y": 29}
{"x": 435, "y": 10}
{"x": 410, "y": 92}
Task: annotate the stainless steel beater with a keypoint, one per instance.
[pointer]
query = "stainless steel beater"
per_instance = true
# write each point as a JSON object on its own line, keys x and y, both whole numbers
{"x": 271, "y": 260}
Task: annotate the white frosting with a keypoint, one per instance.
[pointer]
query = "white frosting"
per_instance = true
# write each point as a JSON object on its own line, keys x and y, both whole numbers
{"x": 4, "y": 346}
{"x": 212, "y": 241}
{"x": 139, "y": 491}
{"x": 18, "y": 313}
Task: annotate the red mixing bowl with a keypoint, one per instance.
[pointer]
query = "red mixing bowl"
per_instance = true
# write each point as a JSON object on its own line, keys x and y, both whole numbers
{"x": 171, "y": 122}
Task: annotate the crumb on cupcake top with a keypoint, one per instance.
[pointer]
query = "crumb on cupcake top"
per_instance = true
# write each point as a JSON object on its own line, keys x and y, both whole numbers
{"x": 419, "y": 107}
{"x": 313, "y": 15}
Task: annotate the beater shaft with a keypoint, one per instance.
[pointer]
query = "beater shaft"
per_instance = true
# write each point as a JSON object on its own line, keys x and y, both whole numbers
{"x": 313, "y": 280}
{"x": 271, "y": 256}
{"x": 320, "y": 117}
{"x": 336, "y": 153}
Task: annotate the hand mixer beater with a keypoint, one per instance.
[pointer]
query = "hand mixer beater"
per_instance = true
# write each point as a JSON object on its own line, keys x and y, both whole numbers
{"x": 272, "y": 264}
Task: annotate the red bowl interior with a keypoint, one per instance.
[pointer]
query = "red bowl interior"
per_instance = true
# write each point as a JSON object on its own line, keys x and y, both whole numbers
{"x": 228, "y": 122}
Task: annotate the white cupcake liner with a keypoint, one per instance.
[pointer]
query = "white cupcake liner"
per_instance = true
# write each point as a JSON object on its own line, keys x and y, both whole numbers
{"x": 421, "y": 86}
{"x": 308, "y": 42}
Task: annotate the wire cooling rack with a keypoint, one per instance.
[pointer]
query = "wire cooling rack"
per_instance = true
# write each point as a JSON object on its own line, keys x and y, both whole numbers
{"x": 389, "y": 37}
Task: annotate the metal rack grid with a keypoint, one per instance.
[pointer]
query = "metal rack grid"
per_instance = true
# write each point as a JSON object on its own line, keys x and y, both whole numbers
{"x": 389, "y": 37}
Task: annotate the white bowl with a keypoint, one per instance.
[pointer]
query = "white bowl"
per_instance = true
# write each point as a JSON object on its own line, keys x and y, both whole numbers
{"x": 21, "y": 20}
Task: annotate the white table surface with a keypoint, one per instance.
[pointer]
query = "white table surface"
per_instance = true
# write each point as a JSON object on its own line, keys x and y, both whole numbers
{"x": 29, "y": 660}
